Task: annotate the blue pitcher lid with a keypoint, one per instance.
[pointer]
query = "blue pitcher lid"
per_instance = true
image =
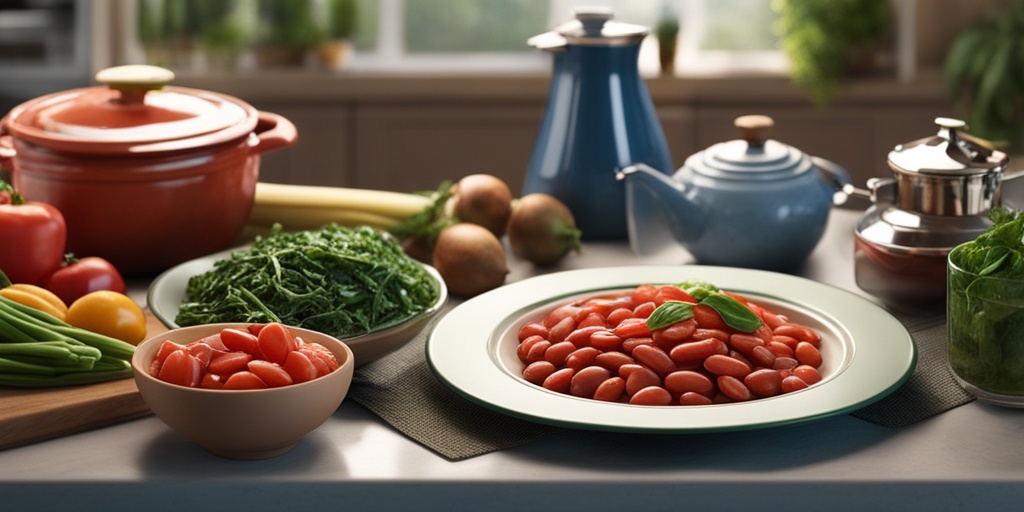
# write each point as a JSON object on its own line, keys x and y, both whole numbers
{"x": 593, "y": 26}
{"x": 753, "y": 157}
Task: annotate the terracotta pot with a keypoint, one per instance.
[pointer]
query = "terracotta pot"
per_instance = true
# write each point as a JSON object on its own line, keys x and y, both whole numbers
{"x": 146, "y": 175}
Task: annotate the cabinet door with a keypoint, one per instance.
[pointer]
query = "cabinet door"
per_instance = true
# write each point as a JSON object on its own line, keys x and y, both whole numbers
{"x": 415, "y": 147}
{"x": 323, "y": 155}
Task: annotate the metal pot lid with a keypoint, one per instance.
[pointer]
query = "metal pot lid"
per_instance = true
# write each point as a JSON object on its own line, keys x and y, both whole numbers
{"x": 135, "y": 111}
{"x": 752, "y": 157}
{"x": 951, "y": 152}
{"x": 593, "y": 26}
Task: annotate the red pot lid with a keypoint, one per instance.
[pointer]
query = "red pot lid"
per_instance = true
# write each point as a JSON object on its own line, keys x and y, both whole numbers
{"x": 134, "y": 112}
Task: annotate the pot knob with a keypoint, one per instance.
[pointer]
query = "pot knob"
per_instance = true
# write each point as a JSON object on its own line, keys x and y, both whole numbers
{"x": 135, "y": 80}
{"x": 753, "y": 127}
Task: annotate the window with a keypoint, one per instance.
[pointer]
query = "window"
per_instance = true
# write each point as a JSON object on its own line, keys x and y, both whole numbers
{"x": 438, "y": 35}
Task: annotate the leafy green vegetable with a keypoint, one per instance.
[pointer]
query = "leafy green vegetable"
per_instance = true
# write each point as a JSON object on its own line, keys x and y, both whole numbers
{"x": 733, "y": 312}
{"x": 669, "y": 313}
{"x": 986, "y": 306}
{"x": 337, "y": 280}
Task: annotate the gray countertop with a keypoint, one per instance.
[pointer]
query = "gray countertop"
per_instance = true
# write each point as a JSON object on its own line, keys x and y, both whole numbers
{"x": 971, "y": 457}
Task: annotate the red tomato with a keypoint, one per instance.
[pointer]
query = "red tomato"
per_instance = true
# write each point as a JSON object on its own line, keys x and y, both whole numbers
{"x": 244, "y": 380}
{"x": 239, "y": 340}
{"x": 33, "y": 235}
{"x": 272, "y": 374}
{"x": 81, "y": 277}
{"x": 276, "y": 341}
{"x": 300, "y": 367}
{"x": 182, "y": 368}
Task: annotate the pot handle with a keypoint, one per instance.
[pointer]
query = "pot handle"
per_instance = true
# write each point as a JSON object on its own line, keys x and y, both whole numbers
{"x": 837, "y": 177}
{"x": 7, "y": 152}
{"x": 273, "y": 131}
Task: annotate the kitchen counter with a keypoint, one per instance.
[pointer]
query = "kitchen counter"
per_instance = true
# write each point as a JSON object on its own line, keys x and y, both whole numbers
{"x": 970, "y": 457}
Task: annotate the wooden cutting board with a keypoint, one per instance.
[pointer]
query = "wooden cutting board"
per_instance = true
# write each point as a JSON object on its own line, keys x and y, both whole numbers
{"x": 31, "y": 415}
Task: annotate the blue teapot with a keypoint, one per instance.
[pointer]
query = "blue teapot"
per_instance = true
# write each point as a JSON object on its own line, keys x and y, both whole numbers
{"x": 751, "y": 202}
{"x": 599, "y": 118}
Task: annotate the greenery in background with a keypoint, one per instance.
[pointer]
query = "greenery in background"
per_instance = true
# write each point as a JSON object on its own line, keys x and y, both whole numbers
{"x": 667, "y": 32}
{"x": 983, "y": 71}
{"x": 750, "y": 32}
{"x": 341, "y": 18}
{"x": 821, "y": 36}
{"x": 289, "y": 23}
{"x": 446, "y": 25}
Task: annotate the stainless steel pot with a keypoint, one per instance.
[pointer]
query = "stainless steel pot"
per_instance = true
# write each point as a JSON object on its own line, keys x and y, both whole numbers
{"x": 939, "y": 196}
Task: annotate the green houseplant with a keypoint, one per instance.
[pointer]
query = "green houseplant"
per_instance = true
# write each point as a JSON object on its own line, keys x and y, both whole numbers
{"x": 288, "y": 30}
{"x": 667, "y": 32}
{"x": 341, "y": 25}
{"x": 827, "y": 40}
{"x": 983, "y": 73}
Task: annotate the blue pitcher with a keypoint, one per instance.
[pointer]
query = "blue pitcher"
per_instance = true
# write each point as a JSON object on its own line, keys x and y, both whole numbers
{"x": 599, "y": 119}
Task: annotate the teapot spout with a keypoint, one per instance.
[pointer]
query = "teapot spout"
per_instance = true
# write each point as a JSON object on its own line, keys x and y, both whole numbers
{"x": 660, "y": 210}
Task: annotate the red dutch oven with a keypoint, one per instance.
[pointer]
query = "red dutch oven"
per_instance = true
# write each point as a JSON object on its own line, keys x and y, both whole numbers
{"x": 147, "y": 175}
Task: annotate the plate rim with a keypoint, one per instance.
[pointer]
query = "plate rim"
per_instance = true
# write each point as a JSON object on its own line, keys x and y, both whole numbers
{"x": 513, "y": 295}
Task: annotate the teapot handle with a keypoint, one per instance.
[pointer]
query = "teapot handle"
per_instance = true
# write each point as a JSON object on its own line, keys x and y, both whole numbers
{"x": 838, "y": 178}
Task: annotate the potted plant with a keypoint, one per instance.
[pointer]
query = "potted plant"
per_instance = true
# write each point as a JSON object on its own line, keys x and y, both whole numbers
{"x": 667, "y": 32}
{"x": 288, "y": 30}
{"x": 341, "y": 24}
{"x": 827, "y": 40}
{"x": 224, "y": 31}
{"x": 982, "y": 72}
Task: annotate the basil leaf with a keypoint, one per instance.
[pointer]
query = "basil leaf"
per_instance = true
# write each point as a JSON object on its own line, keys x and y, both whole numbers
{"x": 669, "y": 313}
{"x": 733, "y": 312}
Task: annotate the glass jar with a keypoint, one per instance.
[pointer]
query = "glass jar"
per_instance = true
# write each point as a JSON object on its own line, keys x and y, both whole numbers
{"x": 985, "y": 340}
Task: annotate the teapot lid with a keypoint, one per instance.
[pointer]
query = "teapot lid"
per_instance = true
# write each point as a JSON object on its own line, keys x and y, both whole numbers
{"x": 753, "y": 157}
{"x": 949, "y": 153}
{"x": 592, "y": 26}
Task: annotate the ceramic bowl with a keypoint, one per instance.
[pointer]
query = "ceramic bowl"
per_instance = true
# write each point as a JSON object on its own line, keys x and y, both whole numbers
{"x": 243, "y": 424}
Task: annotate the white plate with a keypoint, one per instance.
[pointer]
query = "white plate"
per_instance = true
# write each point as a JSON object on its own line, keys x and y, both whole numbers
{"x": 867, "y": 353}
{"x": 167, "y": 292}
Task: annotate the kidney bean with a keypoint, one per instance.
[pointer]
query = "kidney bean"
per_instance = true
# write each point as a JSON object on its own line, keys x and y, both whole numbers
{"x": 632, "y": 328}
{"x": 556, "y": 353}
{"x": 800, "y": 332}
{"x": 745, "y": 343}
{"x": 669, "y": 292}
{"x": 808, "y": 354}
{"x": 559, "y": 381}
{"x": 695, "y": 351}
{"x": 640, "y": 378}
{"x": 584, "y": 383}
{"x": 780, "y": 349}
{"x": 606, "y": 340}
{"x": 559, "y": 313}
{"x": 655, "y": 359}
{"x": 630, "y": 344}
{"x": 581, "y": 358}
{"x": 591, "y": 320}
{"x": 532, "y": 329}
{"x": 613, "y": 360}
{"x": 644, "y": 310}
{"x": 686, "y": 381}
{"x": 644, "y": 293}
{"x": 537, "y": 350}
{"x": 675, "y": 333}
{"x": 651, "y": 395}
{"x": 611, "y": 390}
{"x": 808, "y": 374}
{"x": 789, "y": 341}
{"x": 785, "y": 363}
{"x": 764, "y": 332}
{"x": 691, "y": 398}
{"x": 725, "y": 365}
{"x": 740, "y": 357}
{"x": 618, "y": 315}
{"x": 762, "y": 356}
{"x": 734, "y": 388}
{"x": 559, "y": 331}
{"x": 704, "y": 333}
{"x": 793, "y": 383}
{"x": 771, "y": 319}
{"x": 538, "y": 371}
{"x": 708, "y": 318}
{"x": 581, "y": 336}
{"x": 764, "y": 383}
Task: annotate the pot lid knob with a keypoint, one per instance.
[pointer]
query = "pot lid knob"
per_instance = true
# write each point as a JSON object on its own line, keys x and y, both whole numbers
{"x": 952, "y": 152}
{"x": 752, "y": 128}
{"x": 134, "y": 80}
{"x": 592, "y": 19}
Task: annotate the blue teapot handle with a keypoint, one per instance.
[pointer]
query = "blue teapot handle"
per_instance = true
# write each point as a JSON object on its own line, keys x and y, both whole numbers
{"x": 836, "y": 177}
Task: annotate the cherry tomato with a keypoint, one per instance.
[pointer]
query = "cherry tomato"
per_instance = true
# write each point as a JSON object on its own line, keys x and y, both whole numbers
{"x": 33, "y": 235}
{"x": 109, "y": 313}
{"x": 80, "y": 277}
